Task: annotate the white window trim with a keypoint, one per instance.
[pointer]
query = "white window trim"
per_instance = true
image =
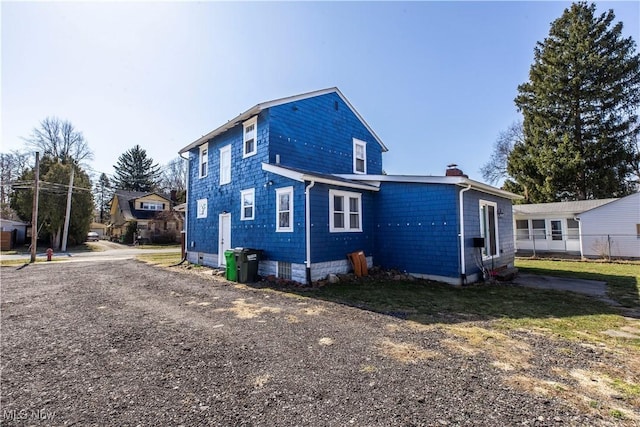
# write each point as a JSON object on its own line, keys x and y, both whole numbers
{"x": 202, "y": 208}
{"x": 252, "y": 193}
{"x": 482, "y": 233}
{"x": 203, "y": 159}
{"x": 252, "y": 121}
{"x": 356, "y": 143}
{"x": 280, "y": 191}
{"x": 225, "y": 178}
{"x": 347, "y": 213}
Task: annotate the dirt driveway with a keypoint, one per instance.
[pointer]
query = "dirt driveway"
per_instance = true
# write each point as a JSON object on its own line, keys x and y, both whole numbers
{"x": 125, "y": 344}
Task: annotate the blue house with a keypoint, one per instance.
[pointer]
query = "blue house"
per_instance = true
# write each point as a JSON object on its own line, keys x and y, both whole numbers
{"x": 301, "y": 179}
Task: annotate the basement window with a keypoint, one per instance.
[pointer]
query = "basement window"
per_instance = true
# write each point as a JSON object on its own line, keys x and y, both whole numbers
{"x": 284, "y": 270}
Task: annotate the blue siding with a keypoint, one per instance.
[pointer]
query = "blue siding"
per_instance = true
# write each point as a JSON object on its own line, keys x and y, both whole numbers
{"x": 312, "y": 134}
{"x": 328, "y": 246}
{"x": 506, "y": 248}
{"x": 245, "y": 173}
{"x": 412, "y": 227}
{"x": 416, "y": 228}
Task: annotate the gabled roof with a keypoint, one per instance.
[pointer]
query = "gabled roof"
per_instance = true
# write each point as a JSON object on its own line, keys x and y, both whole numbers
{"x": 560, "y": 208}
{"x": 126, "y": 201}
{"x": 302, "y": 175}
{"x": 265, "y": 105}
{"x": 428, "y": 179}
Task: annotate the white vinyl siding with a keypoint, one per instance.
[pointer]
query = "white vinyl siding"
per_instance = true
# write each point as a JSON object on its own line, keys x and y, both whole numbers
{"x": 345, "y": 211}
{"x": 247, "y": 204}
{"x": 284, "y": 209}
{"x": 225, "y": 165}
{"x": 250, "y": 137}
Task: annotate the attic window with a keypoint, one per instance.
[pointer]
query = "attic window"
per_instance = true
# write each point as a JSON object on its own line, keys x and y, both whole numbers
{"x": 359, "y": 156}
{"x": 250, "y": 137}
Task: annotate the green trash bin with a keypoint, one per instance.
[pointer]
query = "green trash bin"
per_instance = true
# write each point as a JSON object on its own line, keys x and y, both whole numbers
{"x": 230, "y": 258}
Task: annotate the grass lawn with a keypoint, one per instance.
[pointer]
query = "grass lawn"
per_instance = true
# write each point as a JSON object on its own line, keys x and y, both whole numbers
{"x": 623, "y": 278}
{"x": 505, "y": 306}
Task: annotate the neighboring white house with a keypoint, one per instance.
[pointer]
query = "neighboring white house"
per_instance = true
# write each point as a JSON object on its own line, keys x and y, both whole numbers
{"x": 551, "y": 227}
{"x": 612, "y": 230}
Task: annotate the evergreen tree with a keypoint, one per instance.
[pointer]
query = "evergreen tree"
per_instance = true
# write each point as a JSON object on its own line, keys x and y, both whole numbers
{"x": 52, "y": 206}
{"x": 103, "y": 193}
{"x": 580, "y": 109}
{"x": 136, "y": 172}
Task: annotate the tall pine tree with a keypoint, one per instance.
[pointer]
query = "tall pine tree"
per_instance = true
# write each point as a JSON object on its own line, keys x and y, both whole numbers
{"x": 580, "y": 109}
{"x": 136, "y": 172}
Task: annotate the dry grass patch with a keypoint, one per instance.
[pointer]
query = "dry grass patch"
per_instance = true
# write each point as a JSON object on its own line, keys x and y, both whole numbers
{"x": 405, "y": 352}
{"x": 325, "y": 341}
{"x": 247, "y": 310}
{"x": 261, "y": 380}
{"x": 509, "y": 354}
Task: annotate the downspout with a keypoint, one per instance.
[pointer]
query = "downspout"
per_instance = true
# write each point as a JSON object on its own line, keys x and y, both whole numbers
{"x": 186, "y": 212}
{"x": 307, "y": 226}
{"x": 463, "y": 267}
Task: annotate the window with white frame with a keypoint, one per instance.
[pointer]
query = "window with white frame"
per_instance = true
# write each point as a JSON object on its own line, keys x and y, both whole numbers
{"x": 345, "y": 211}
{"x": 204, "y": 160}
{"x": 538, "y": 229}
{"x": 225, "y": 165}
{"x": 573, "y": 229}
{"x": 152, "y": 206}
{"x": 284, "y": 209}
{"x": 359, "y": 156}
{"x": 522, "y": 229}
{"x": 250, "y": 138}
{"x": 247, "y": 202}
{"x": 201, "y": 208}
{"x": 489, "y": 228}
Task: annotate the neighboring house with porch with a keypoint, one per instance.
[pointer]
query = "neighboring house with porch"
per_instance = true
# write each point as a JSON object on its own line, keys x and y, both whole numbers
{"x": 301, "y": 179}
{"x": 590, "y": 228}
{"x": 152, "y": 212}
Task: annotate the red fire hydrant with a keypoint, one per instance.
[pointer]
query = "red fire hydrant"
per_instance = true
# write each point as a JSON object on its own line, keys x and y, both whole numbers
{"x": 49, "y": 254}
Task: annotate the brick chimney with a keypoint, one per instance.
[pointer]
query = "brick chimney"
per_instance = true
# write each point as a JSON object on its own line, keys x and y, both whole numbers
{"x": 452, "y": 170}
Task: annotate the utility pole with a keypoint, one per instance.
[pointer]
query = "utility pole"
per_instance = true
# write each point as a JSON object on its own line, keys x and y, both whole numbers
{"x": 34, "y": 215}
{"x": 65, "y": 233}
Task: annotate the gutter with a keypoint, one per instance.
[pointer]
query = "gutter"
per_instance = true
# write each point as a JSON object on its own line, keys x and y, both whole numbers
{"x": 307, "y": 226}
{"x": 463, "y": 267}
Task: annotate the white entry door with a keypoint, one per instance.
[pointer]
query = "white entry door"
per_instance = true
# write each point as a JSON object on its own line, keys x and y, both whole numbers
{"x": 224, "y": 233}
{"x": 557, "y": 238}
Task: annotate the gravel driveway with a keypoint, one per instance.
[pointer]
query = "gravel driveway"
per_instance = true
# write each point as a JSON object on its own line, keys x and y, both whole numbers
{"x": 126, "y": 344}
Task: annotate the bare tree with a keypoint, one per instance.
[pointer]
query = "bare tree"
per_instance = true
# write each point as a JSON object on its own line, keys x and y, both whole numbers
{"x": 496, "y": 168}
{"x": 59, "y": 140}
{"x": 12, "y": 166}
{"x": 174, "y": 177}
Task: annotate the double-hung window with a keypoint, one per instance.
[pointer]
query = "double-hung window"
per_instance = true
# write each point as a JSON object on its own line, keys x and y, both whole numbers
{"x": 247, "y": 201}
{"x": 284, "y": 209}
{"x": 225, "y": 165}
{"x": 345, "y": 211}
{"x": 204, "y": 160}
{"x": 152, "y": 206}
{"x": 249, "y": 140}
{"x": 489, "y": 228}
{"x": 522, "y": 229}
{"x": 359, "y": 156}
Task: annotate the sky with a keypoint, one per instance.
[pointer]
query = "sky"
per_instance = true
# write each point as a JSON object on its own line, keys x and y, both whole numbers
{"x": 435, "y": 80}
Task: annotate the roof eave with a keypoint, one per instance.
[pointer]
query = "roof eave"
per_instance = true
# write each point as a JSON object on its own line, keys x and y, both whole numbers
{"x": 268, "y": 104}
